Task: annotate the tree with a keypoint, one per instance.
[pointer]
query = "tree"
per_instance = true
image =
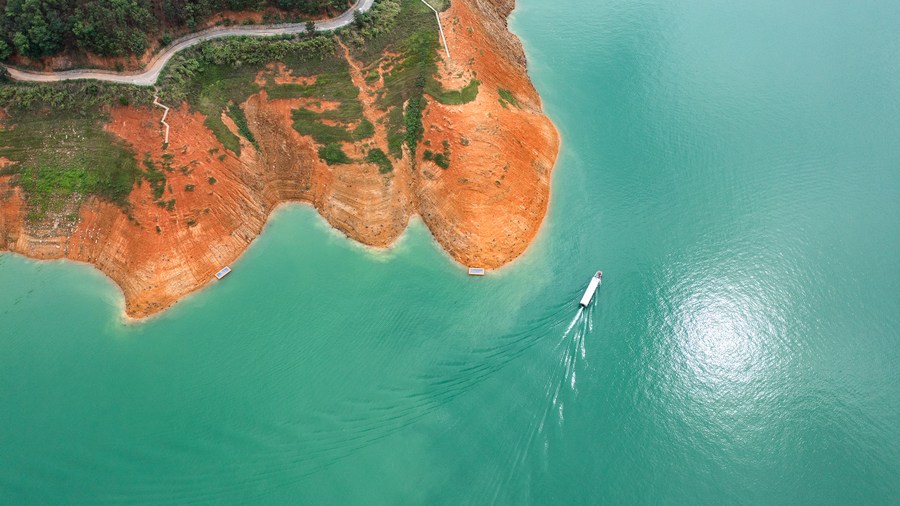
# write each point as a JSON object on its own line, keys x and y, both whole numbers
{"x": 37, "y": 27}
{"x": 310, "y": 27}
{"x": 113, "y": 27}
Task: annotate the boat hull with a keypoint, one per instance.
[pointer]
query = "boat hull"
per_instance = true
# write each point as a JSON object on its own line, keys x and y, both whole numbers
{"x": 591, "y": 289}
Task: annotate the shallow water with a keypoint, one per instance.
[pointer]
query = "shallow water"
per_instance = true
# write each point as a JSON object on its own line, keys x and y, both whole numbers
{"x": 733, "y": 169}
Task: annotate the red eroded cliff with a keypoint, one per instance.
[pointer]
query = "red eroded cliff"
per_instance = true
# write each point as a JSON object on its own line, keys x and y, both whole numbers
{"x": 484, "y": 209}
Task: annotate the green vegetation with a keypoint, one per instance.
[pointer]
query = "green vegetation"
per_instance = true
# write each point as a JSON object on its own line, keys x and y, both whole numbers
{"x": 332, "y": 154}
{"x": 364, "y": 130}
{"x": 442, "y": 160}
{"x": 112, "y": 27}
{"x": 334, "y": 85}
{"x": 66, "y": 158}
{"x": 405, "y": 76}
{"x": 307, "y": 123}
{"x": 456, "y": 97}
{"x": 409, "y": 76}
{"x": 72, "y": 97}
{"x": 63, "y": 153}
{"x": 380, "y": 159}
{"x": 155, "y": 177}
{"x": 38, "y": 28}
{"x": 168, "y": 205}
{"x": 395, "y": 136}
{"x": 237, "y": 115}
{"x": 506, "y": 97}
{"x": 413, "y": 117}
{"x": 216, "y": 76}
{"x": 217, "y": 89}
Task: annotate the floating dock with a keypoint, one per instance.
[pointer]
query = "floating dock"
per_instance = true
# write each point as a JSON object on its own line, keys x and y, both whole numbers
{"x": 592, "y": 287}
{"x": 224, "y": 272}
{"x": 476, "y": 271}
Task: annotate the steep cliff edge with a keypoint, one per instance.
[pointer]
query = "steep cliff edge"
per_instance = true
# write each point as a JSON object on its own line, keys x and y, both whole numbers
{"x": 488, "y": 206}
{"x": 480, "y": 178}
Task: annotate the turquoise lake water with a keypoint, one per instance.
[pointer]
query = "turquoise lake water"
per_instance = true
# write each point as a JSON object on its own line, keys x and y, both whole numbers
{"x": 734, "y": 169}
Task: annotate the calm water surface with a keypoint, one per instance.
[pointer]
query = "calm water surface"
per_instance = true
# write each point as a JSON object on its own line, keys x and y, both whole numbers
{"x": 732, "y": 166}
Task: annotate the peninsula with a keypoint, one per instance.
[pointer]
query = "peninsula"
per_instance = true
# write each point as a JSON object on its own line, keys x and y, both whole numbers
{"x": 370, "y": 124}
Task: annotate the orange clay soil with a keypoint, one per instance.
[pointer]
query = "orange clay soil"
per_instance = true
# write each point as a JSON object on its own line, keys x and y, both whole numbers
{"x": 484, "y": 210}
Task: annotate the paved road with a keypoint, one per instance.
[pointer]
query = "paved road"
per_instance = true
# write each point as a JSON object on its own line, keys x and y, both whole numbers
{"x": 148, "y": 76}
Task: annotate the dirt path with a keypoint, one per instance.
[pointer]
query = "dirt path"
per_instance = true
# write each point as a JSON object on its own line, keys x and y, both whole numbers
{"x": 150, "y": 74}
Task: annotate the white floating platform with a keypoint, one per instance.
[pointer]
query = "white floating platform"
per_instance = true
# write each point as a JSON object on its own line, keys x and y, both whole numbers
{"x": 476, "y": 271}
{"x": 224, "y": 272}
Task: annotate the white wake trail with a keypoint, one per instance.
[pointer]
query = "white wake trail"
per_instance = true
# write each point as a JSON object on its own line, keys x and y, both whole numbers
{"x": 568, "y": 349}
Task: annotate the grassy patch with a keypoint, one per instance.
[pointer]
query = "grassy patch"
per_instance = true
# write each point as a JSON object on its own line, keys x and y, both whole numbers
{"x": 455, "y": 97}
{"x": 332, "y": 125}
{"x": 74, "y": 97}
{"x": 219, "y": 73}
{"x": 155, "y": 177}
{"x": 506, "y": 97}
{"x": 380, "y": 159}
{"x": 64, "y": 156}
{"x": 240, "y": 119}
{"x": 214, "y": 90}
{"x": 308, "y": 123}
{"x": 332, "y": 154}
{"x": 334, "y": 84}
{"x": 364, "y": 130}
{"x": 407, "y": 76}
{"x": 395, "y": 136}
{"x": 442, "y": 159}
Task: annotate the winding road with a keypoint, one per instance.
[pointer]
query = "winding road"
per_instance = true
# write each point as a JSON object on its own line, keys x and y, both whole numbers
{"x": 150, "y": 74}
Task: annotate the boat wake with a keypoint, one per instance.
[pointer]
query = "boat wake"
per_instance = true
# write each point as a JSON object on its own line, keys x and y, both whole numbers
{"x": 560, "y": 387}
{"x": 569, "y": 350}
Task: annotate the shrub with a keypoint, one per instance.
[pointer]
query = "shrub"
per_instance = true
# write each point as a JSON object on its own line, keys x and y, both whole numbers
{"x": 332, "y": 154}
{"x": 365, "y": 130}
{"x": 506, "y": 96}
{"x": 454, "y": 97}
{"x": 377, "y": 156}
{"x": 442, "y": 161}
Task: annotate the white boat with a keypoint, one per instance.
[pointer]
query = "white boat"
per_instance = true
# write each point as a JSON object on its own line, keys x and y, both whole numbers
{"x": 592, "y": 287}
